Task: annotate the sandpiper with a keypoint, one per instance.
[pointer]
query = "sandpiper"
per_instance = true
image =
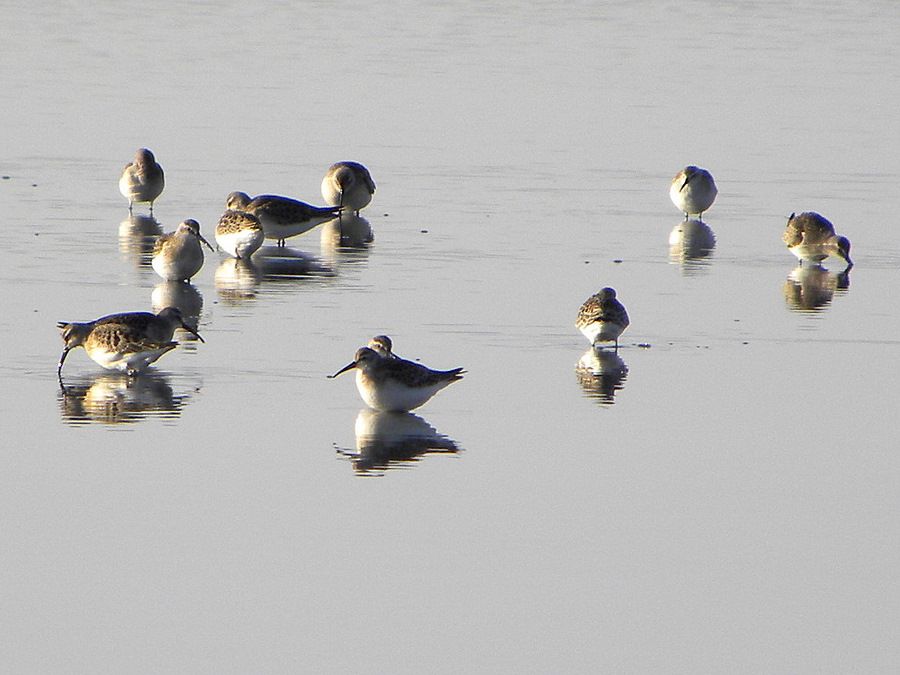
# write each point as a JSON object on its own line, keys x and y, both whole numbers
{"x": 693, "y": 190}
{"x": 348, "y": 185}
{"x": 394, "y": 384}
{"x": 239, "y": 233}
{"x": 602, "y": 318}
{"x": 127, "y": 342}
{"x": 177, "y": 256}
{"x": 811, "y": 238}
{"x": 383, "y": 346}
{"x": 282, "y": 217}
{"x": 142, "y": 180}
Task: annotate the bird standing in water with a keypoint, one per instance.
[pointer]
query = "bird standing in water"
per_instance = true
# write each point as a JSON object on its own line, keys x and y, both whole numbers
{"x": 693, "y": 190}
{"x": 811, "y": 238}
{"x": 394, "y": 384}
{"x": 142, "y": 180}
{"x": 602, "y": 318}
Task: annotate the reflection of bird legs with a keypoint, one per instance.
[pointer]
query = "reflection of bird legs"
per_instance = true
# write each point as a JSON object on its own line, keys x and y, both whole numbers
{"x": 599, "y": 347}
{"x": 843, "y": 279}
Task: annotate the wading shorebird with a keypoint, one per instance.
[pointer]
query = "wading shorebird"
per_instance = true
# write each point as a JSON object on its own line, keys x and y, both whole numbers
{"x": 239, "y": 233}
{"x": 602, "y": 318}
{"x": 383, "y": 346}
{"x": 142, "y": 180}
{"x": 177, "y": 256}
{"x": 282, "y": 217}
{"x": 127, "y": 342}
{"x": 693, "y": 190}
{"x": 394, "y": 384}
{"x": 348, "y": 185}
{"x": 811, "y": 238}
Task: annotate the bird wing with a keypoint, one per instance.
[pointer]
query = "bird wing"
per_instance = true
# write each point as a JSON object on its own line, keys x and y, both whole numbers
{"x": 591, "y": 310}
{"x": 793, "y": 233}
{"x": 160, "y": 242}
{"x": 418, "y": 375}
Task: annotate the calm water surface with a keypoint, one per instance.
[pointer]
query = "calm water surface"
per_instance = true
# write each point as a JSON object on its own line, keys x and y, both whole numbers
{"x": 719, "y": 496}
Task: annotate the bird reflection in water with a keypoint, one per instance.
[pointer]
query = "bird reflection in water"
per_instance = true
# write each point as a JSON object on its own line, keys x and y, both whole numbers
{"x": 601, "y": 373}
{"x": 393, "y": 440}
{"x": 116, "y": 398}
{"x": 347, "y": 237}
{"x": 237, "y": 281}
{"x": 691, "y": 243}
{"x": 137, "y": 235}
{"x": 181, "y": 294}
{"x": 277, "y": 263}
{"x": 811, "y": 287}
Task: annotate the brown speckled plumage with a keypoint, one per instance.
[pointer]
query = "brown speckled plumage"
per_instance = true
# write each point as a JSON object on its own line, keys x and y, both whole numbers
{"x": 282, "y": 217}
{"x": 129, "y": 341}
{"x": 602, "y": 317}
{"x": 811, "y": 237}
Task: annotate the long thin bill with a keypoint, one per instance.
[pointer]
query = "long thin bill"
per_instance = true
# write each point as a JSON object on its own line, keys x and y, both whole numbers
{"x": 350, "y": 365}
{"x": 192, "y": 332}
{"x": 62, "y": 358}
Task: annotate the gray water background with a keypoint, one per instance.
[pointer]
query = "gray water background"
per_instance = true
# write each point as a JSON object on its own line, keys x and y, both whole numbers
{"x": 725, "y": 501}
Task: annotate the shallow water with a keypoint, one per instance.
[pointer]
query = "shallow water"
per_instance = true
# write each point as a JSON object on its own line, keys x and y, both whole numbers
{"x": 718, "y": 496}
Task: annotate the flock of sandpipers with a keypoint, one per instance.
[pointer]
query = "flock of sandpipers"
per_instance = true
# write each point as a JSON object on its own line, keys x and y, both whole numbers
{"x": 129, "y": 342}
{"x": 809, "y": 236}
